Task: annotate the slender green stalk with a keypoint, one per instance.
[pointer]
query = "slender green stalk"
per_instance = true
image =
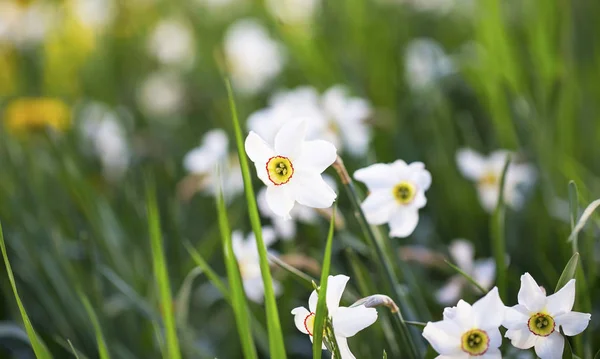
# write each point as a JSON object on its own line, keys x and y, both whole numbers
{"x": 276, "y": 343}
{"x": 238, "y": 297}
{"x": 300, "y": 276}
{"x": 208, "y": 271}
{"x": 73, "y": 349}
{"x": 383, "y": 260}
{"x": 40, "y": 350}
{"x": 467, "y": 277}
{"x": 498, "y": 236}
{"x": 321, "y": 314}
{"x": 161, "y": 274}
{"x": 102, "y": 348}
{"x": 416, "y": 324}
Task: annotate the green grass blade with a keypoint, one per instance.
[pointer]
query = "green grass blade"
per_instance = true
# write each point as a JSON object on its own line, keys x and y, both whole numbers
{"x": 102, "y": 348}
{"x": 573, "y": 211}
{"x": 237, "y": 294}
{"x": 585, "y": 216}
{"x": 467, "y": 277}
{"x": 208, "y": 271}
{"x": 276, "y": 343}
{"x": 568, "y": 273}
{"x": 301, "y": 277}
{"x": 73, "y": 349}
{"x": 161, "y": 274}
{"x": 40, "y": 350}
{"x": 498, "y": 235}
{"x": 321, "y": 314}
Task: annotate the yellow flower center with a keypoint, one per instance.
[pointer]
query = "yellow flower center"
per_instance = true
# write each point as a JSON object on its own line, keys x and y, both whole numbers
{"x": 280, "y": 170}
{"x": 475, "y": 342}
{"x": 541, "y": 324}
{"x": 404, "y": 192}
{"x": 489, "y": 179}
{"x": 309, "y": 323}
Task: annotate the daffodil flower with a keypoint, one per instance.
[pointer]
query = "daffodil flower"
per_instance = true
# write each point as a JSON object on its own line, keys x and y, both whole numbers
{"x": 483, "y": 271}
{"x": 397, "y": 192}
{"x": 172, "y": 43}
{"x": 536, "y": 320}
{"x": 347, "y": 321}
{"x": 469, "y": 332}
{"x": 487, "y": 172}
{"x": 292, "y": 168}
{"x": 246, "y": 253}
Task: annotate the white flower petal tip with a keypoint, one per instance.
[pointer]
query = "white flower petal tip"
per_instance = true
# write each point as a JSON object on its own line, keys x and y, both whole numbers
{"x": 537, "y": 320}
{"x": 292, "y": 169}
{"x": 397, "y": 192}
{"x": 486, "y": 172}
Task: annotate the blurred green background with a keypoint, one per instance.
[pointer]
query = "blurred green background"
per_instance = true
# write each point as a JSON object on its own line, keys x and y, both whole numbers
{"x": 440, "y": 75}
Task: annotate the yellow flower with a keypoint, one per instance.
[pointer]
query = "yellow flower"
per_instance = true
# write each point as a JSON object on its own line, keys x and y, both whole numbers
{"x": 29, "y": 114}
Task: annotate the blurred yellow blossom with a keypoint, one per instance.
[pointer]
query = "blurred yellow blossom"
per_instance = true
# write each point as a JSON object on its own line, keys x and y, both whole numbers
{"x": 27, "y": 114}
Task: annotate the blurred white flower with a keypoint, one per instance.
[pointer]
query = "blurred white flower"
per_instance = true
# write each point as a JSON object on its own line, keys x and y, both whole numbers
{"x": 292, "y": 168}
{"x": 221, "y": 4}
{"x": 285, "y": 228}
{"x": 425, "y": 62}
{"x": 253, "y": 57}
{"x": 211, "y": 160}
{"x": 293, "y": 12}
{"x": 469, "y": 331}
{"x": 347, "y": 118}
{"x": 536, "y": 321}
{"x": 483, "y": 271}
{"x": 172, "y": 43}
{"x": 246, "y": 253}
{"x": 396, "y": 193}
{"x": 24, "y": 25}
{"x": 347, "y": 321}
{"x": 97, "y": 14}
{"x": 101, "y": 127}
{"x": 161, "y": 94}
{"x": 487, "y": 172}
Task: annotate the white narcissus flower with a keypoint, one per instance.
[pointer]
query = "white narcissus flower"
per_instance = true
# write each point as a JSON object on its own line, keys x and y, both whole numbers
{"x": 536, "y": 320}
{"x": 483, "y": 271}
{"x": 97, "y": 14}
{"x": 291, "y": 169}
{"x": 293, "y": 12}
{"x": 487, "y": 172}
{"x": 254, "y": 58}
{"x": 425, "y": 62}
{"x": 347, "y": 118}
{"x": 347, "y": 321}
{"x": 210, "y": 160}
{"x": 396, "y": 193}
{"x": 172, "y": 43}
{"x": 161, "y": 95}
{"x": 26, "y": 24}
{"x": 246, "y": 253}
{"x": 469, "y": 332}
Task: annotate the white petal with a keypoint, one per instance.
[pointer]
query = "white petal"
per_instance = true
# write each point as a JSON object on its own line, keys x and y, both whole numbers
{"x": 489, "y": 310}
{"x": 521, "y": 338}
{"x": 379, "y": 206}
{"x": 516, "y": 317}
{"x": 470, "y": 163}
{"x": 377, "y": 176}
{"x": 497, "y": 160}
{"x": 484, "y": 272}
{"x": 255, "y": 289}
{"x": 444, "y": 337}
{"x": 290, "y": 138}
{"x": 237, "y": 241}
{"x": 300, "y": 314}
{"x": 311, "y": 190}
{"x": 488, "y": 196}
{"x": 316, "y": 156}
{"x": 462, "y": 315}
{"x": 420, "y": 200}
{"x": 335, "y": 289}
{"x": 349, "y": 321}
{"x": 462, "y": 253}
{"x": 450, "y": 293}
{"x": 257, "y": 149}
{"x": 562, "y": 301}
{"x": 345, "y": 352}
{"x": 550, "y": 347}
{"x": 420, "y": 175}
{"x": 280, "y": 200}
{"x": 286, "y": 228}
{"x": 403, "y": 222}
{"x": 312, "y": 301}
{"x": 495, "y": 337}
{"x": 573, "y": 323}
{"x": 492, "y": 354}
{"x": 531, "y": 295}
{"x": 268, "y": 235}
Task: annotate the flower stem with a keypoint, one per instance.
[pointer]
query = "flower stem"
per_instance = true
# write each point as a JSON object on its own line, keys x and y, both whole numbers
{"x": 497, "y": 235}
{"x": 383, "y": 260}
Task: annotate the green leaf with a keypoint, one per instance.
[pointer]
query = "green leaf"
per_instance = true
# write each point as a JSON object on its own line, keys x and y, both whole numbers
{"x": 568, "y": 273}
{"x": 567, "y": 350}
{"x": 498, "y": 235}
{"x": 73, "y": 349}
{"x": 573, "y": 211}
{"x": 467, "y": 277}
{"x": 40, "y": 350}
{"x": 182, "y": 302}
{"x": 206, "y": 269}
{"x": 597, "y": 356}
{"x": 102, "y": 348}
{"x": 237, "y": 294}
{"x": 276, "y": 343}
{"x": 321, "y": 314}
{"x": 585, "y": 216}
{"x": 302, "y": 278}
{"x": 384, "y": 354}
{"x": 161, "y": 274}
